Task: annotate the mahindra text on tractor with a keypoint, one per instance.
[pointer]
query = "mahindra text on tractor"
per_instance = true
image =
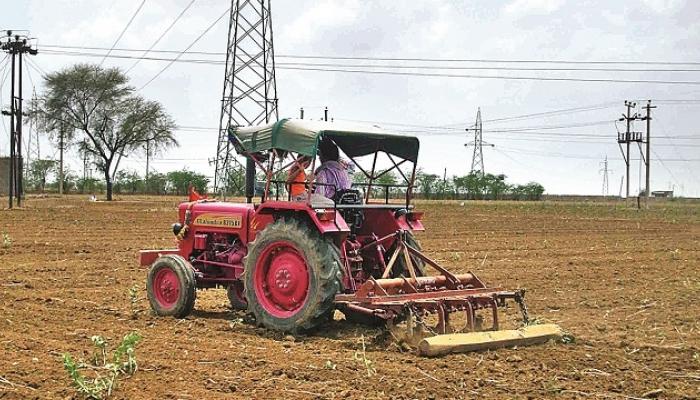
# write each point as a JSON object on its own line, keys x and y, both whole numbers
{"x": 291, "y": 262}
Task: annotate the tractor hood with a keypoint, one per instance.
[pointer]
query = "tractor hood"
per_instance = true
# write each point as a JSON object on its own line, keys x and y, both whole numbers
{"x": 302, "y": 136}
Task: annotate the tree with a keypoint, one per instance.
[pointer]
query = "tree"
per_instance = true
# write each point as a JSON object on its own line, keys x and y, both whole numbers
{"x": 157, "y": 183}
{"x": 38, "y": 172}
{"x": 128, "y": 182}
{"x": 534, "y": 191}
{"x": 179, "y": 181}
{"x": 495, "y": 185}
{"x": 427, "y": 183}
{"x": 99, "y": 103}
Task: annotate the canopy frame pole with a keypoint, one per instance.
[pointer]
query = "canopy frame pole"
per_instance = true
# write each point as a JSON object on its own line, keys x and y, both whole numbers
{"x": 311, "y": 180}
{"x": 268, "y": 175}
{"x": 397, "y": 166}
{"x": 409, "y": 189}
{"x": 371, "y": 177}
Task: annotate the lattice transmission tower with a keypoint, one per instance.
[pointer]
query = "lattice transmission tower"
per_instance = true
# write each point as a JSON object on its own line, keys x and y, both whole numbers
{"x": 478, "y": 143}
{"x": 250, "y": 90}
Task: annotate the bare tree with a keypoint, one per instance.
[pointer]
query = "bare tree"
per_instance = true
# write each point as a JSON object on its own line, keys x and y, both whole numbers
{"x": 98, "y": 102}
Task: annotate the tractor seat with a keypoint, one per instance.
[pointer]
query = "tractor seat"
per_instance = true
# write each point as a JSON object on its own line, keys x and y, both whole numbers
{"x": 348, "y": 196}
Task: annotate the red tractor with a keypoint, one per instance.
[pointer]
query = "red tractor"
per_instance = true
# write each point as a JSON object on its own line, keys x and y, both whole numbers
{"x": 292, "y": 261}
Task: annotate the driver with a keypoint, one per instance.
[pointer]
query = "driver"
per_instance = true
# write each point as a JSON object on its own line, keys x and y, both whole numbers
{"x": 331, "y": 174}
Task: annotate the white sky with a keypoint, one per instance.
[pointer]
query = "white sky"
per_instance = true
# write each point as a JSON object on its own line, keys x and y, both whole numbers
{"x": 650, "y": 30}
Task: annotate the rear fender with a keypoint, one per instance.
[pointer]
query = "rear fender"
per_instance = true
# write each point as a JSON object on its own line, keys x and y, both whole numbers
{"x": 382, "y": 222}
{"x": 326, "y": 220}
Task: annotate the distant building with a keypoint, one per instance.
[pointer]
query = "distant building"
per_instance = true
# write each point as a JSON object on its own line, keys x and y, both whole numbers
{"x": 4, "y": 175}
{"x": 662, "y": 193}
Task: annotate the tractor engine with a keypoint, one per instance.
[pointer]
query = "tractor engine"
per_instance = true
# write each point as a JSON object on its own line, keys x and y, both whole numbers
{"x": 217, "y": 256}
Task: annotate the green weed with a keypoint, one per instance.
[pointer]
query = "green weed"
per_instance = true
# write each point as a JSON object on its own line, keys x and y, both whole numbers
{"x": 361, "y": 356}
{"x": 104, "y": 371}
{"x": 134, "y": 300}
{"x": 6, "y": 240}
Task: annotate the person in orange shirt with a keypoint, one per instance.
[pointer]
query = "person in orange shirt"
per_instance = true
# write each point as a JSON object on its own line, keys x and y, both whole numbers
{"x": 296, "y": 178}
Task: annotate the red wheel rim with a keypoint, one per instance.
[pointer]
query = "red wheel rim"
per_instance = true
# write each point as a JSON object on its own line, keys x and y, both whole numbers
{"x": 281, "y": 279}
{"x": 166, "y": 287}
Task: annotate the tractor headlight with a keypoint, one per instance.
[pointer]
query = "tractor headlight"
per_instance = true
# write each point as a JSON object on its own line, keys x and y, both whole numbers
{"x": 177, "y": 227}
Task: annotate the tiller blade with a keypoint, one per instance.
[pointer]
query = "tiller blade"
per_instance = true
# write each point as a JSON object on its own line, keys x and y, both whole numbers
{"x": 421, "y": 301}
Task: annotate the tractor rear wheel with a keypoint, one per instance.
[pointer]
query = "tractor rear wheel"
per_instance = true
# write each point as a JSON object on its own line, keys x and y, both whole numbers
{"x": 171, "y": 286}
{"x": 292, "y": 276}
{"x": 236, "y": 295}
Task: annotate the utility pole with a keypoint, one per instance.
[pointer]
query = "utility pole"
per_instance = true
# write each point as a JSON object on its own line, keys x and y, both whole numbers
{"x": 148, "y": 159}
{"x": 250, "y": 89}
{"x": 647, "y": 159}
{"x": 444, "y": 183}
{"x": 13, "y": 134}
{"x": 605, "y": 171}
{"x": 16, "y": 46}
{"x": 61, "y": 147}
{"x": 478, "y": 143}
{"x": 85, "y": 165}
{"x": 627, "y": 138}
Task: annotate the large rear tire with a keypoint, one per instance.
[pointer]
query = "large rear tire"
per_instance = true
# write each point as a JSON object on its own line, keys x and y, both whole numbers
{"x": 171, "y": 286}
{"x": 291, "y": 277}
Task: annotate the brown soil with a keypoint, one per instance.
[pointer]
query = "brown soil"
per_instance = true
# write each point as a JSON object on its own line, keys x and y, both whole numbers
{"x": 626, "y": 284}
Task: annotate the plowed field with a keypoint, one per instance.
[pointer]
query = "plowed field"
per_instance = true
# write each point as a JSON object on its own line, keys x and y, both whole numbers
{"x": 624, "y": 283}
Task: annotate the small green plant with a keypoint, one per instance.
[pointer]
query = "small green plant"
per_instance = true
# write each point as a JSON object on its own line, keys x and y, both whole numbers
{"x": 99, "y": 356}
{"x": 101, "y": 385}
{"x": 675, "y": 254}
{"x": 6, "y": 240}
{"x": 361, "y": 356}
{"x": 567, "y": 338}
{"x": 329, "y": 365}
{"x": 133, "y": 301}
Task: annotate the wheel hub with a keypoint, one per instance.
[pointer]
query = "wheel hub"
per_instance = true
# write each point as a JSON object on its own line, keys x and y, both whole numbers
{"x": 167, "y": 287}
{"x": 282, "y": 280}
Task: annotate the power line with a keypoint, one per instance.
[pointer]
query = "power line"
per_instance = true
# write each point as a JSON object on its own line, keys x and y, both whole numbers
{"x": 555, "y": 112}
{"x": 582, "y": 157}
{"x": 128, "y": 24}
{"x": 162, "y": 35}
{"x": 475, "y": 60}
{"x": 458, "y": 125}
{"x": 311, "y": 67}
{"x": 518, "y": 78}
{"x": 187, "y": 48}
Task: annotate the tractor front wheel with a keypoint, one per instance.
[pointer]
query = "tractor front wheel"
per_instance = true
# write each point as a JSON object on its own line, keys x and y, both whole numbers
{"x": 291, "y": 277}
{"x": 171, "y": 286}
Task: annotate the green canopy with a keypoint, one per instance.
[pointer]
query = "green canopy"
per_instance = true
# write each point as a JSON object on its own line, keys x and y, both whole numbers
{"x": 302, "y": 136}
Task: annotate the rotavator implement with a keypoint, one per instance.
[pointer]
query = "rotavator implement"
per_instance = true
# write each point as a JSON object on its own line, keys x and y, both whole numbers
{"x": 292, "y": 261}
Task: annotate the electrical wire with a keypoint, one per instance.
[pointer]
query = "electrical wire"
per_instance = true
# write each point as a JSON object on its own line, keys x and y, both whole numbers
{"x": 453, "y": 126}
{"x": 186, "y": 49}
{"x": 36, "y": 67}
{"x": 474, "y": 60}
{"x": 311, "y": 67}
{"x": 499, "y": 77}
{"x": 162, "y": 35}
{"x": 678, "y": 153}
{"x": 3, "y": 78}
{"x": 128, "y": 24}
